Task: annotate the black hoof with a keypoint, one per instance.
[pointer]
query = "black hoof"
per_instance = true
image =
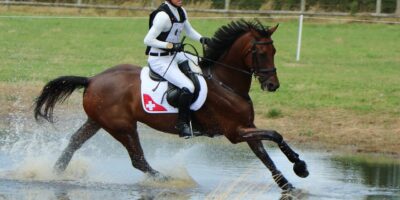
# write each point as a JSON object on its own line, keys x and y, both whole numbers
{"x": 300, "y": 168}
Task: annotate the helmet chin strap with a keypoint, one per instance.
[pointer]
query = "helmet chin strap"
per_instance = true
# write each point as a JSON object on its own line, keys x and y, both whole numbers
{"x": 170, "y": 2}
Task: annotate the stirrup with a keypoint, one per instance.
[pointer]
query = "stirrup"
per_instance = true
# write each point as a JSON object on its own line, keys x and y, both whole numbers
{"x": 184, "y": 130}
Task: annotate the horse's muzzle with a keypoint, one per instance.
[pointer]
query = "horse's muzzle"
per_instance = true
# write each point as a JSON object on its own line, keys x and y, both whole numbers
{"x": 269, "y": 86}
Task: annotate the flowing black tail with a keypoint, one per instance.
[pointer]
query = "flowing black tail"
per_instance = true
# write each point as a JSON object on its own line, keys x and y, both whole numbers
{"x": 57, "y": 90}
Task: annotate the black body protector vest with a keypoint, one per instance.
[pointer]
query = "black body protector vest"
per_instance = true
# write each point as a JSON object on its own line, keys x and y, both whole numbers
{"x": 174, "y": 33}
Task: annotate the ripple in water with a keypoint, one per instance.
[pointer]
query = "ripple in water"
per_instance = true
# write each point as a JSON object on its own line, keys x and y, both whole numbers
{"x": 200, "y": 168}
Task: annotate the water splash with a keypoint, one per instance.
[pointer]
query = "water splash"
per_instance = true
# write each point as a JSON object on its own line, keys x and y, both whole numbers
{"x": 173, "y": 169}
{"x": 40, "y": 169}
{"x": 31, "y": 149}
{"x": 198, "y": 168}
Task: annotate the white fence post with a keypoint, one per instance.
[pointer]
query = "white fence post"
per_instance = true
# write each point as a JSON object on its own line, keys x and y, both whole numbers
{"x": 78, "y": 2}
{"x": 378, "y": 7}
{"x": 299, "y": 37}
{"x": 398, "y": 8}
{"x": 303, "y": 6}
{"x": 227, "y": 2}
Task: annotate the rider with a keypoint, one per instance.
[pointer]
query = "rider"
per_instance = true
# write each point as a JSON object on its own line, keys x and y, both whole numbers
{"x": 166, "y": 24}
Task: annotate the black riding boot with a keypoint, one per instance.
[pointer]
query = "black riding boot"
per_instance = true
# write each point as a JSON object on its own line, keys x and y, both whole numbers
{"x": 185, "y": 100}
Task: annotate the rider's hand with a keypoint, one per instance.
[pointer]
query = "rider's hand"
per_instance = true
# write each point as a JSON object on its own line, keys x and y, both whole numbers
{"x": 177, "y": 47}
{"x": 205, "y": 40}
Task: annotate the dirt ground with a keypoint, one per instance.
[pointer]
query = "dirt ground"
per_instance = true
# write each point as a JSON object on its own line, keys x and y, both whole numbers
{"x": 328, "y": 130}
{"x": 339, "y": 130}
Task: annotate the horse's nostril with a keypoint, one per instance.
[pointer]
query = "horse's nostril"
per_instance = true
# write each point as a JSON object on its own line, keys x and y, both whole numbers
{"x": 270, "y": 85}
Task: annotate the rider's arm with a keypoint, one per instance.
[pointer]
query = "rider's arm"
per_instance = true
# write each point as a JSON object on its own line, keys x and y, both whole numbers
{"x": 161, "y": 23}
{"x": 190, "y": 32}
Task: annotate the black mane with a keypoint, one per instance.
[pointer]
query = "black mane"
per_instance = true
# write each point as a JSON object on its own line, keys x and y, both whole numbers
{"x": 226, "y": 35}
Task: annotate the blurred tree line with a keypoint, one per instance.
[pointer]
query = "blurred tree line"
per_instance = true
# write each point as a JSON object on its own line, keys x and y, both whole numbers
{"x": 388, "y": 6}
{"x": 354, "y": 6}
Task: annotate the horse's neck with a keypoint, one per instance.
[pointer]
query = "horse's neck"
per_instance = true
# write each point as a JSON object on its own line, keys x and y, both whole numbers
{"x": 237, "y": 80}
{"x": 232, "y": 80}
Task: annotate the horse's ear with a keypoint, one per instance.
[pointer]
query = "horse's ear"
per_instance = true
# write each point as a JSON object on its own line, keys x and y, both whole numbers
{"x": 273, "y": 29}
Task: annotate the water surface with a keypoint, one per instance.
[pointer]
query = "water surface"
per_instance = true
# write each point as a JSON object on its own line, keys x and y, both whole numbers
{"x": 202, "y": 168}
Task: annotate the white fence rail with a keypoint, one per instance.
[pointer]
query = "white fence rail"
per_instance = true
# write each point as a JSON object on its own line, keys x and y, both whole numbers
{"x": 226, "y": 10}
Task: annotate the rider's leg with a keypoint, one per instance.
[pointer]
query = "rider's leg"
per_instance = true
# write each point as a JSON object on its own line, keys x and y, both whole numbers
{"x": 182, "y": 125}
{"x": 188, "y": 62}
{"x": 176, "y": 77}
{"x": 184, "y": 67}
{"x": 172, "y": 74}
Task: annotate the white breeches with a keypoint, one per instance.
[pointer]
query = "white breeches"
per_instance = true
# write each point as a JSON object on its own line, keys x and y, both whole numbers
{"x": 159, "y": 64}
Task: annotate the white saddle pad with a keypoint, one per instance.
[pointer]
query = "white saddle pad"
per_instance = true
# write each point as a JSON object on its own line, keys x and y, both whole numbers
{"x": 156, "y": 101}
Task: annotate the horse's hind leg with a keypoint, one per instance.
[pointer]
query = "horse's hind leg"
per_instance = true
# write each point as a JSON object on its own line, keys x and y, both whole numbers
{"x": 86, "y": 131}
{"x": 258, "y": 149}
{"x": 130, "y": 139}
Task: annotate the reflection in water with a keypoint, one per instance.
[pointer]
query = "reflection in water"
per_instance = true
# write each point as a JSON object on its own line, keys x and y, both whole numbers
{"x": 202, "y": 169}
{"x": 35, "y": 190}
{"x": 384, "y": 174}
{"x": 62, "y": 195}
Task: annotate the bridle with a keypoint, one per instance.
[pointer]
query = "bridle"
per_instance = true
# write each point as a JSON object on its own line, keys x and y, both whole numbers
{"x": 255, "y": 67}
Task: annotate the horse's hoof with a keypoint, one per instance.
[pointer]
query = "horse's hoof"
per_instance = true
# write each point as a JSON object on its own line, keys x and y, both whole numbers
{"x": 57, "y": 170}
{"x": 292, "y": 194}
{"x": 288, "y": 187}
{"x": 164, "y": 178}
{"x": 300, "y": 168}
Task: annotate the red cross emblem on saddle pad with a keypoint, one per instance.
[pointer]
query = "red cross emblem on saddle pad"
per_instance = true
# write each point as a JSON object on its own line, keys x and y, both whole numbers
{"x": 150, "y": 105}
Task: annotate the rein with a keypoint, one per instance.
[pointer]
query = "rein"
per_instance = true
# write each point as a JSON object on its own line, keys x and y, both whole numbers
{"x": 216, "y": 62}
{"x": 254, "y": 69}
{"x": 210, "y": 76}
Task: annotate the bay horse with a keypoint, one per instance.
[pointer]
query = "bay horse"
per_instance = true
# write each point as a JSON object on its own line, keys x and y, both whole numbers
{"x": 112, "y": 100}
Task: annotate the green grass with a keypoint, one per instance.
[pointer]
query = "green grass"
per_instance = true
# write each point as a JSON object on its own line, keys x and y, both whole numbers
{"x": 274, "y": 113}
{"x": 366, "y": 159}
{"x": 343, "y": 66}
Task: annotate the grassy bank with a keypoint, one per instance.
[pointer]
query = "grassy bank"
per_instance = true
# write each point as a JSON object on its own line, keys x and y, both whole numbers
{"x": 345, "y": 91}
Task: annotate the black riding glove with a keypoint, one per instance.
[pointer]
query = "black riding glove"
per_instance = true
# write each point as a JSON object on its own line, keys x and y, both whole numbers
{"x": 205, "y": 40}
{"x": 177, "y": 47}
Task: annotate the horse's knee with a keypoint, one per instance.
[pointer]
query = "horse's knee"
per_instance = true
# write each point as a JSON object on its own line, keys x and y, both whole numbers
{"x": 276, "y": 137}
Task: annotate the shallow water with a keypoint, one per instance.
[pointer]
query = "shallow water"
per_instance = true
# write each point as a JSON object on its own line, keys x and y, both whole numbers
{"x": 202, "y": 168}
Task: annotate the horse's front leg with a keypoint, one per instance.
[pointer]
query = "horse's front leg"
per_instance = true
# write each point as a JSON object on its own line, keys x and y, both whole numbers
{"x": 254, "y": 134}
{"x": 258, "y": 149}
